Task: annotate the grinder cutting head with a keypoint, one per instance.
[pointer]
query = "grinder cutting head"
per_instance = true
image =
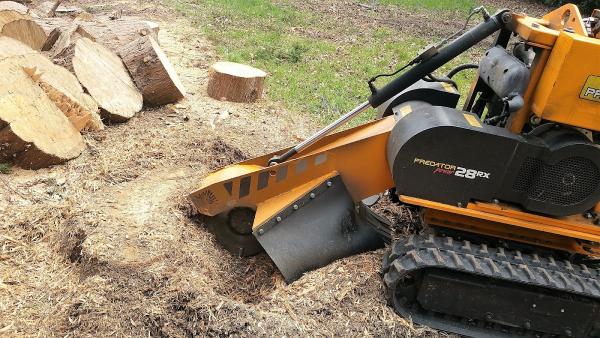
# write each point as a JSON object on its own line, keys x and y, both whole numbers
{"x": 301, "y": 212}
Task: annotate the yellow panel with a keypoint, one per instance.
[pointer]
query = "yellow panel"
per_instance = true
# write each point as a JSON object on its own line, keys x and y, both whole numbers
{"x": 357, "y": 154}
{"x": 571, "y": 70}
{"x": 567, "y": 227}
{"x": 473, "y": 121}
{"x": 566, "y": 17}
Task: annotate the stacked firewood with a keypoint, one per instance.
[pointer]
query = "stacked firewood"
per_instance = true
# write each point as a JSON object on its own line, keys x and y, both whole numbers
{"x": 64, "y": 75}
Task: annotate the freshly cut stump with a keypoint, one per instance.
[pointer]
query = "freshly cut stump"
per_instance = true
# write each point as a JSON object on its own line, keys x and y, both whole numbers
{"x": 235, "y": 82}
{"x": 34, "y": 133}
{"x": 152, "y": 72}
{"x": 13, "y": 6}
{"x": 103, "y": 75}
{"x": 60, "y": 85}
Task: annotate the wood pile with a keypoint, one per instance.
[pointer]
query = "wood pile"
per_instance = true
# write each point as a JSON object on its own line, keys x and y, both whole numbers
{"x": 70, "y": 74}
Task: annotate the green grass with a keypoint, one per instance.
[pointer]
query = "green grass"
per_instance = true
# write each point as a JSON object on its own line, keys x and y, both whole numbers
{"x": 460, "y": 5}
{"x": 5, "y": 168}
{"x": 316, "y": 64}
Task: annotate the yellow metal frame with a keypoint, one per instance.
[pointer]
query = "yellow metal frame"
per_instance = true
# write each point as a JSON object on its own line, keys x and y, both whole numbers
{"x": 572, "y": 234}
{"x": 355, "y": 154}
{"x": 561, "y": 71}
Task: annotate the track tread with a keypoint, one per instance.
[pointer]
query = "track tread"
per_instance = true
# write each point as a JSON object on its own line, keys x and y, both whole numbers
{"x": 429, "y": 251}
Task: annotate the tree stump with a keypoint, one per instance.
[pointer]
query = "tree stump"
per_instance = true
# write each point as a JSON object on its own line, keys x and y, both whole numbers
{"x": 59, "y": 84}
{"x": 34, "y": 133}
{"x": 152, "y": 72}
{"x": 103, "y": 75}
{"x": 235, "y": 82}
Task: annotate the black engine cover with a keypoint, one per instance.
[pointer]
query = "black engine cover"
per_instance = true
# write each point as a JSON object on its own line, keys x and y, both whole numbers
{"x": 447, "y": 156}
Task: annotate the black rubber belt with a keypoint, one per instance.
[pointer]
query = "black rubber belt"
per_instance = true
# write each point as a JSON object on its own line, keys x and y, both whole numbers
{"x": 430, "y": 251}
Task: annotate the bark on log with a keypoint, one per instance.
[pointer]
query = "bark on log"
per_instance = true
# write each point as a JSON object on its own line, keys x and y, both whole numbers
{"x": 152, "y": 72}
{"x": 33, "y": 132}
{"x": 235, "y": 82}
{"x": 59, "y": 84}
{"x": 13, "y": 6}
{"x": 103, "y": 75}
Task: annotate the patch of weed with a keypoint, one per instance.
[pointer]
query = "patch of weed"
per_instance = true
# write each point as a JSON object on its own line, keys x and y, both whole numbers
{"x": 5, "y": 168}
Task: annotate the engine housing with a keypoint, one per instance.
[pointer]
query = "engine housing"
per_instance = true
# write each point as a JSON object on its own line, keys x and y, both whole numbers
{"x": 448, "y": 156}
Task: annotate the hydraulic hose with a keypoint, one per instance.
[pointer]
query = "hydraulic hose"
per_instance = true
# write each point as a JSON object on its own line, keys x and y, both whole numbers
{"x": 444, "y": 55}
{"x": 461, "y": 68}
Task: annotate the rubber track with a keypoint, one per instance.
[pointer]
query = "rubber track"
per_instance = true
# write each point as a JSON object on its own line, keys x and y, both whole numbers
{"x": 429, "y": 251}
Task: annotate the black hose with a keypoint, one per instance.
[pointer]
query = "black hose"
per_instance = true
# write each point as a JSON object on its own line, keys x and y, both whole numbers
{"x": 433, "y": 78}
{"x": 444, "y": 55}
{"x": 461, "y": 68}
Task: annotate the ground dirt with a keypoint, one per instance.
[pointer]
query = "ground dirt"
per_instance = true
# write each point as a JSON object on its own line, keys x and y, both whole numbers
{"x": 107, "y": 244}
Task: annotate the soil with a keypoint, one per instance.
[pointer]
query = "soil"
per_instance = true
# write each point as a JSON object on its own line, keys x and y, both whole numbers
{"x": 107, "y": 245}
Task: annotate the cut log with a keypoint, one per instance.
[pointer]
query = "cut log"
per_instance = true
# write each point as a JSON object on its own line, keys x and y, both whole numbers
{"x": 22, "y": 27}
{"x": 59, "y": 84}
{"x": 26, "y": 31}
{"x": 115, "y": 34}
{"x": 52, "y": 12}
{"x": 34, "y": 134}
{"x": 43, "y": 9}
{"x": 103, "y": 75}
{"x": 49, "y": 24}
{"x": 235, "y": 82}
{"x": 129, "y": 28}
{"x": 152, "y": 72}
{"x": 155, "y": 27}
{"x": 53, "y": 28}
{"x": 65, "y": 37}
{"x": 7, "y": 16}
{"x": 13, "y": 6}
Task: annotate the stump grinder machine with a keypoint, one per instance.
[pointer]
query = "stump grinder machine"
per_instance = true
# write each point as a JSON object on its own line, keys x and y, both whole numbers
{"x": 507, "y": 188}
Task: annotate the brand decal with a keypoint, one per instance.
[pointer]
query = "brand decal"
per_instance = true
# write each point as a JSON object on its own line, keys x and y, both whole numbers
{"x": 452, "y": 169}
{"x": 207, "y": 197}
{"x": 591, "y": 89}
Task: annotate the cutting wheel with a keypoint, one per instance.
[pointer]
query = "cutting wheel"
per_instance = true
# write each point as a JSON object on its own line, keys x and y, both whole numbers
{"x": 233, "y": 230}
